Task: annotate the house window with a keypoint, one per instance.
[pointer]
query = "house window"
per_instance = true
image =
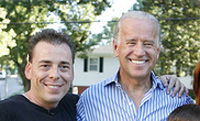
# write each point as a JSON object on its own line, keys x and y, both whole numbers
{"x": 93, "y": 64}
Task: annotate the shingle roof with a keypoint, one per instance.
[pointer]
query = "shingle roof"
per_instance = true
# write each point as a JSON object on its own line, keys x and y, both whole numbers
{"x": 104, "y": 50}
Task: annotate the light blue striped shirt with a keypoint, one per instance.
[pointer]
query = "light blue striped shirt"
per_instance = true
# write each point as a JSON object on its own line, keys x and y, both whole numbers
{"x": 107, "y": 101}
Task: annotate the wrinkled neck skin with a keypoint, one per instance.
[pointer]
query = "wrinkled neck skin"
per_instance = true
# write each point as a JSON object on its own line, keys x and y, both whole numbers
{"x": 136, "y": 88}
{"x": 135, "y": 84}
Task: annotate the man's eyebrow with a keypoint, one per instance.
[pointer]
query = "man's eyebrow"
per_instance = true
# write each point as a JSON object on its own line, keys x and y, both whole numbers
{"x": 151, "y": 41}
{"x": 44, "y": 61}
{"x": 65, "y": 62}
{"x": 130, "y": 40}
{"x": 47, "y": 61}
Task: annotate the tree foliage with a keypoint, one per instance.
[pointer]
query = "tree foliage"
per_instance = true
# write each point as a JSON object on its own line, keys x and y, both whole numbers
{"x": 180, "y": 26}
{"x": 106, "y": 36}
{"x": 28, "y": 16}
{"x": 5, "y": 37}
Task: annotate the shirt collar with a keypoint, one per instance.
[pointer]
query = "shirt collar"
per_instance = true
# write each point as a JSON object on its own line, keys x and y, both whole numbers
{"x": 156, "y": 81}
{"x": 114, "y": 79}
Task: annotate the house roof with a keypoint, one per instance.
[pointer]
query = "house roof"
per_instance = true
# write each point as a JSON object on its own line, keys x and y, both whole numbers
{"x": 102, "y": 50}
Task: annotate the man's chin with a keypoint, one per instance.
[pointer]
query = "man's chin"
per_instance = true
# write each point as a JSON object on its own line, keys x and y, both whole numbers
{"x": 55, "y": 98}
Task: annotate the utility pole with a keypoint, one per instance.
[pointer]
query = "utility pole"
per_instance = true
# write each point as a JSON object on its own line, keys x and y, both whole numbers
{"x": 6, "y": 87}
{"x": 6, "y": 82}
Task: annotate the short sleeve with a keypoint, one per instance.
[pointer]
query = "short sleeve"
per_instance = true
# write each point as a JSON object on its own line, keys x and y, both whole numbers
{"x": 80, "y": 110}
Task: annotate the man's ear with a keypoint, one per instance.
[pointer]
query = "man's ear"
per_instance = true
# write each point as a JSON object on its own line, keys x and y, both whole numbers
{"x": 28, "y": 71}
{"x": 158, "y": 52}
{"x": 115, "y": 48}
{"x": 72, "y": 72}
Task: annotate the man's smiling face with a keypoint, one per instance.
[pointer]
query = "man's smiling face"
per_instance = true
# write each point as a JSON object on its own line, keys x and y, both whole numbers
{"x": 137, "y": 48}
{"x": 50, "y": 72}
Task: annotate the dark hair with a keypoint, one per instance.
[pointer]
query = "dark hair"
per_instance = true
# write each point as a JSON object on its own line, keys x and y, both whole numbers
{"x": 53, "y": 37}
{"x": 196, "y": 83}
{"x": 189, "y": 112}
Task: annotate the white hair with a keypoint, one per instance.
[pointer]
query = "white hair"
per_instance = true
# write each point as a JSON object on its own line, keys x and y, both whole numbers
{"x": 136, "y": 15}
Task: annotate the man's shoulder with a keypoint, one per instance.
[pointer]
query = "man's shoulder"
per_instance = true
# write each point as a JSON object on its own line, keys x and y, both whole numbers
{"x": 106, "y": 82}
{"x": 96, "y": 89}
{"x": 12, "y": 100}
{"x": 68, "y": 104}
{"x": 167, "y": 98}
{"x": 11, "y": 104}
{"x": 96, "y": 86}
{"x": 69, "y": 97}
{"x": 100, "y": 88}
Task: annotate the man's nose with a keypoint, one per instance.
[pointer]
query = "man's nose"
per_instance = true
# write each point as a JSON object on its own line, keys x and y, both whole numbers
{"x": 139, "y": 49}
{"x": 53, "y": 73}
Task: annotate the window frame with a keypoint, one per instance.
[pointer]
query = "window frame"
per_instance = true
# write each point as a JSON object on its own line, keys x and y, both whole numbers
{"x": 96, "y": 64}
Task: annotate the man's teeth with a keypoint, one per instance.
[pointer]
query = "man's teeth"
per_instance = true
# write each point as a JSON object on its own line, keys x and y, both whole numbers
{"x": 53, "y": 86}
{"x": 138, "y": 62}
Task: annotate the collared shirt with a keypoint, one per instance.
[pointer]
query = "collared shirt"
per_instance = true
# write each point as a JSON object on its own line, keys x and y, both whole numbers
{"x": 107, "y": 101}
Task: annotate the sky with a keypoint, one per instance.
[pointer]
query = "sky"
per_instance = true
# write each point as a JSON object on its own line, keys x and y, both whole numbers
{"x": 118, "y": 7}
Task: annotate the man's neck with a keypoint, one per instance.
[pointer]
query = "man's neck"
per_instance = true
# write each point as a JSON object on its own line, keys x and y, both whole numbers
{"x": 136, "y": 88}
{"x": 32, "y": 98}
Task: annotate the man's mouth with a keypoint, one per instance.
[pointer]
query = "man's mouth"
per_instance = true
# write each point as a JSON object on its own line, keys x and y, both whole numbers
{"x": 138, "y": 62}
{"x": 53, "y": 86}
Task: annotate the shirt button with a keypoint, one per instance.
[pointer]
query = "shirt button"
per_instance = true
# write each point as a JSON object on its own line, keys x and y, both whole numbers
{"x": 117, "y": 85}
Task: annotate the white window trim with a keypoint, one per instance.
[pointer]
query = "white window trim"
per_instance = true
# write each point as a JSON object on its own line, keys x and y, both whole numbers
{"x": 97, "y": 64}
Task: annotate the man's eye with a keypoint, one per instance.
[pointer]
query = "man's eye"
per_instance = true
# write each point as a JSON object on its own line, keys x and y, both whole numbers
{"x": 64, "y": 67}
{"x": 131, "y": 43}
{"x": 44, "y": 66}
{"x": 148, "y": 44}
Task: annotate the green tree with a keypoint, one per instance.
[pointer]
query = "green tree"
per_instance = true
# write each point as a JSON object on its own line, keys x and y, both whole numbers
{"x": 5, "y": 38}
{"x": 106, "y": 36}
{"x": 28, "y": 16}
{"x": 180, "y": 27}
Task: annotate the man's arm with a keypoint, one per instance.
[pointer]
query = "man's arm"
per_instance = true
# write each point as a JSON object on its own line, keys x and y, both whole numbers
{"x": 173, "y": 81}
{"x": 80, "y": 111}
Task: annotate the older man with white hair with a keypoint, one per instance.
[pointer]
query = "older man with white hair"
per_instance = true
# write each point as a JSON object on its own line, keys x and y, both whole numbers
{"x": 133, "y": 93}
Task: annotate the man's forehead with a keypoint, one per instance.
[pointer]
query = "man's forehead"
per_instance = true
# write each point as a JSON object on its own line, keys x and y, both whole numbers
{"x": 139, "y": 27}
{"x": 136, "y": 21}
{"x": 48, "y": 51}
